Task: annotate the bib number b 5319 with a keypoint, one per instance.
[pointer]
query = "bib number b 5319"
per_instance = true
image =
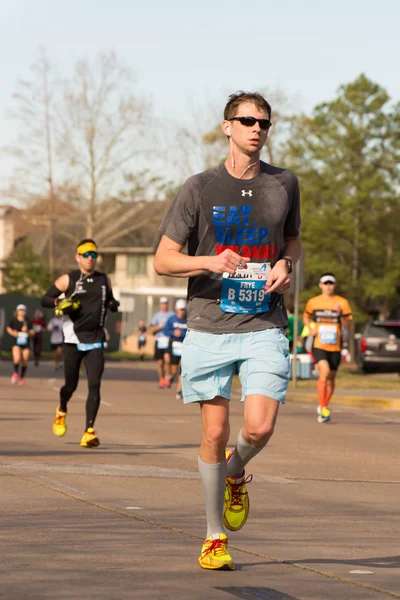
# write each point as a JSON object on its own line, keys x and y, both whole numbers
{"x": 243, "y": 292}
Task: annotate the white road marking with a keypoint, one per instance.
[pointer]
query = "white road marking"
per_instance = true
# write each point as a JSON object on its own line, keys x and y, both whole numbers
{"x": 133, "y": 508}
{"x": 106, "y": 403}
{"x": 360, "y": 572}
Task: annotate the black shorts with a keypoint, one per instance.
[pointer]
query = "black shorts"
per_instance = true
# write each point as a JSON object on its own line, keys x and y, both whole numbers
{"x": 333, "y": 358}
{"x": 175, "y": 360}
{"x": 159, "y": 353}
{"x": 55, "y": 346}
{"x": 24, "y": 347}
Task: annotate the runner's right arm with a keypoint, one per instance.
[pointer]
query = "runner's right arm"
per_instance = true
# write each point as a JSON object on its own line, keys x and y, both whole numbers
{"x": 307, "y": 318}
{"x": 49, "y": 300}
{"x": 169, "y": 260}
{"x": 11, "y": 331}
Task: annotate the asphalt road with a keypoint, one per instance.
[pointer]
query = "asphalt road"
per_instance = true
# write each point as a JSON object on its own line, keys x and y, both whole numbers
{"x": 126, "y": 520}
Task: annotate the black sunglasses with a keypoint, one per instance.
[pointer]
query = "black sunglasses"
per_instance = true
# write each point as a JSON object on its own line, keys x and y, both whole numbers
{"x": 264, "y": 124}
{"x": 328, "y": 283}
{"x": 91, "y": 253}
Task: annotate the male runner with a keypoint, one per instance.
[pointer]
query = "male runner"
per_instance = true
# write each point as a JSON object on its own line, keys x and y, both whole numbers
{"x": 241, "y": 223}
{"x": 175, "y": 329}
{"x": 162, "y": 342}
{"x": 88, "y": 295}
{"x": 325, "y": 315}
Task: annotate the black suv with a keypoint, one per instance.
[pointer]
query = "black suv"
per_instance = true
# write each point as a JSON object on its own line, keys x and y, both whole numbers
{"x": 378, "y": 347}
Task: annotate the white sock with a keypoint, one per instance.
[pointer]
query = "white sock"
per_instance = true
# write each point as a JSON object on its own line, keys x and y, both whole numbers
{"x": 242, "y": 454}
{"x": 213, "y": 483}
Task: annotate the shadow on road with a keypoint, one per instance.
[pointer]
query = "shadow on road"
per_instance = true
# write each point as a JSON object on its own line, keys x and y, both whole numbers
{"x": 255, "y": 593}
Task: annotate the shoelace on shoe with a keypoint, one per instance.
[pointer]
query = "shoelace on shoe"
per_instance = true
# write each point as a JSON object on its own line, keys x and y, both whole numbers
{"x": 218, "y": 546}
{"x": 237, "y": 492}
{"x": 59, "y": 420}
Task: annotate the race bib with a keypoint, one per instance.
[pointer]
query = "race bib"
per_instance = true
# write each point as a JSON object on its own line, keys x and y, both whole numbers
{"x": 142, "y": 338}
{"x": 86, "y": 347}
{"x": 243, "y": 292}
{"x": 327, "y": 334}
{"x": 177, "y": 348}
{"x": 37, "y": 328}
{"x": 162, "y": 342}
{"x": 22, "y": 338}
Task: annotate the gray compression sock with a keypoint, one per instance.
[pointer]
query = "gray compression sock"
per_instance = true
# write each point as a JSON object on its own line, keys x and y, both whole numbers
{"x": 213, "y": 484}
{"x": 242, "y": 453}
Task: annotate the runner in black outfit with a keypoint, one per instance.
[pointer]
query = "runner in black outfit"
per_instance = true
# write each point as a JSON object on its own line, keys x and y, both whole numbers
{"x": 88, "y": 295}
{"x": 20, "y": 328}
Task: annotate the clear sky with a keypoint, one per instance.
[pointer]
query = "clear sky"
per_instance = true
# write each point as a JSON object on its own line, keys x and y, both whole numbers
{"x": 188, "y": 53}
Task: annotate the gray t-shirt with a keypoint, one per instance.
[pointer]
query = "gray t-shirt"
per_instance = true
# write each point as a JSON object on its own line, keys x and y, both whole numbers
{"x": 214, "y": 211}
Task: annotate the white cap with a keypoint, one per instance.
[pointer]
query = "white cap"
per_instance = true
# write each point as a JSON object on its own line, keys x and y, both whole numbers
{"x": 180, "y": 304}
{"x": 326, "y": 278}
{"x": 22, "y": 307}
{"x": 163, "y": 300}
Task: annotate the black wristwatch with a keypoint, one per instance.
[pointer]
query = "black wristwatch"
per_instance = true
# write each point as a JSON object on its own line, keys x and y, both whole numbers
{"x": 289, "y": 263}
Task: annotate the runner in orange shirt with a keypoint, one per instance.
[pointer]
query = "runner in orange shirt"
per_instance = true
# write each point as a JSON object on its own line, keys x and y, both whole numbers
{"x": 325, "y": 315}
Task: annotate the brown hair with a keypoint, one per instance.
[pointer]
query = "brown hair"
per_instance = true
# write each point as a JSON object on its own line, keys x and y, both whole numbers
{"x": 235, "y": 100}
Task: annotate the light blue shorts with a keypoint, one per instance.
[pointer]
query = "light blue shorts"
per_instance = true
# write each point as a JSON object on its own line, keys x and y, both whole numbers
{"x": 210, "y": 360}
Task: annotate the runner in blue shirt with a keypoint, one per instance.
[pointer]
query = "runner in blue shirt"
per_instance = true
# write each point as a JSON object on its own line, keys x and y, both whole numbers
{"x": 162, "y": 342}
{"x": 176, "y": 328}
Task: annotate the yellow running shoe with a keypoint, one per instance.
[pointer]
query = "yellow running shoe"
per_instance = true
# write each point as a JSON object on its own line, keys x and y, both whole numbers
{"x": 60, "y": 423}
{"x": 90, "y": 439}
{"x": 236, "y": 500}
{"x": 324, "y": 415}
{"x": 214, "y": 554}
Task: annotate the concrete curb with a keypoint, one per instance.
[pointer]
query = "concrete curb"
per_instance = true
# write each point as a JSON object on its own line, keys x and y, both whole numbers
{"x": 378, "y": 402}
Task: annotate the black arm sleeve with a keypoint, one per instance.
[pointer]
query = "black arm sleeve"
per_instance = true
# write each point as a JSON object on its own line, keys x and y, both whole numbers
{"x": 48, "y": 300}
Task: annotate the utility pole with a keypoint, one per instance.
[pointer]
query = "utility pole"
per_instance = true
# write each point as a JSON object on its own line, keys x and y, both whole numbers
{"x": 296, "y": 320}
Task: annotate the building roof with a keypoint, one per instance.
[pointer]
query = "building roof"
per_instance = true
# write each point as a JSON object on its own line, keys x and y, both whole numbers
{"x": 131, "y": 226}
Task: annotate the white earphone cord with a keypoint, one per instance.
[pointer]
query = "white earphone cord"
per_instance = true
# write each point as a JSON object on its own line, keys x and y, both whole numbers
{"x": 233, "y": 162}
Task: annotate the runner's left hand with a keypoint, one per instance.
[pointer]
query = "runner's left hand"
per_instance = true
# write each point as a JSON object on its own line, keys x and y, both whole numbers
{"x": 113, "y": 305}
{"x": 278, "y": 280}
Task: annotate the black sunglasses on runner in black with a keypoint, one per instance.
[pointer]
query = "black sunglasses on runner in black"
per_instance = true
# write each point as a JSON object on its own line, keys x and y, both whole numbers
{"x": 328, "y": 283}
{"x": 90, "y": 253}
{"x": 264, "y": 124}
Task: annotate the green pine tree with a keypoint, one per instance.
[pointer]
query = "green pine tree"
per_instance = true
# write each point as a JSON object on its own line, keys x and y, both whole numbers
{"x": 25, "y": 272}
{"x": 346, "y": 156}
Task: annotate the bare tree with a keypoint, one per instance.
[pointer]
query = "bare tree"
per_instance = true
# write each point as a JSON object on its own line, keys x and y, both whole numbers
{"x": 33, "y": 149}
{"x": 102, "y": 129}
